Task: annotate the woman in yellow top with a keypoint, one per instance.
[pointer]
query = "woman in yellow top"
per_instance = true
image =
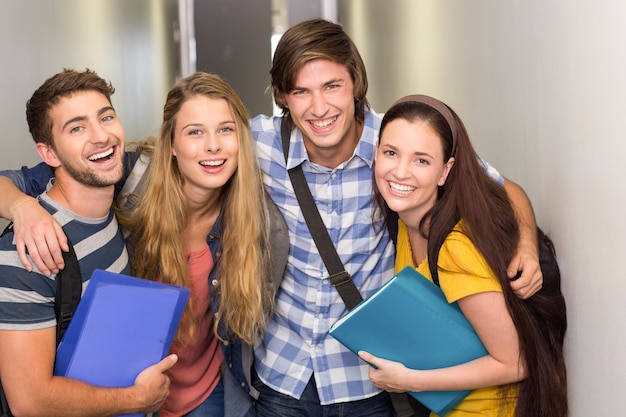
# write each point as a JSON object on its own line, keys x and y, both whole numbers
{"x": 457, "y": 227}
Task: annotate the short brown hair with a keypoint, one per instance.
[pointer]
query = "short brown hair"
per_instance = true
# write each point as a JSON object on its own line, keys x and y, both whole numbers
{"x": 317, "y": 39}
{"x": 63, "y": 84}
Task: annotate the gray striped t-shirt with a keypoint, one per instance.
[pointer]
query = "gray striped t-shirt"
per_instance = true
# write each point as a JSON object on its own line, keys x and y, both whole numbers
{"x": 27, "y": 298}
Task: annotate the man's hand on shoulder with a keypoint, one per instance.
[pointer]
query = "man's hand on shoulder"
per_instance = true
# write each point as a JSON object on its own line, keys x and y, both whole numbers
{"x": 525, "y": 272}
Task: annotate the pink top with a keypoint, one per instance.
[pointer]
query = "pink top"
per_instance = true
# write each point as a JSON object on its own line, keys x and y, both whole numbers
{"x": 197, "y": 371}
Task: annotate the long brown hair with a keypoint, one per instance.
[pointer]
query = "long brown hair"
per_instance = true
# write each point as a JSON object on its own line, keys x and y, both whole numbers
{"x": 491, "y": 224}
{"x": 156, "y": 226}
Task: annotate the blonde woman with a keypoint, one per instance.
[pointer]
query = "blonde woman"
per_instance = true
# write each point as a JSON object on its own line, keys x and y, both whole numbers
{"x": 202, "y": 212}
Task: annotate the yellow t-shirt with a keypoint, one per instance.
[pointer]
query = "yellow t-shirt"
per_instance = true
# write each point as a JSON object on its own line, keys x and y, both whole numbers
{"x": 462, "y": 272}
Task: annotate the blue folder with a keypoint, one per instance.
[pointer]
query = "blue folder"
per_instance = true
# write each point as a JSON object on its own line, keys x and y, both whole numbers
{"x": 409, "y": 320}
{"x": 121, "y": 326}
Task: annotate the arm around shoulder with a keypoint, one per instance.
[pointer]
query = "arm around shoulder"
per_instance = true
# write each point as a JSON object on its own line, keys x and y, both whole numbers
{"x": 526, "y": 259}
{"x": 35, "y": 229}
{"x": 12, "y": 198}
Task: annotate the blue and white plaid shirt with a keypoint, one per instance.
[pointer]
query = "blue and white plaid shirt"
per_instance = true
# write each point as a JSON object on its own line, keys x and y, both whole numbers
{"x": 297, "y": 343}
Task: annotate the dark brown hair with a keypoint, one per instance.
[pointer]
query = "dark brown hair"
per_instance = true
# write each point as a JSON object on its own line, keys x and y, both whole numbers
{"x": 490, "y": 223}
{"x": 316, "y": 39}
{"x": 61, "y": 85}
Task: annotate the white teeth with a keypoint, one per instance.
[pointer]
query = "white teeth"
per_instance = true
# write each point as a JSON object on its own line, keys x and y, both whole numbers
{"x": 101, "y": 155}
{"x": 324, "y": 123}
{"x": 212, "y": 163}
{"x": 401, "y": 188}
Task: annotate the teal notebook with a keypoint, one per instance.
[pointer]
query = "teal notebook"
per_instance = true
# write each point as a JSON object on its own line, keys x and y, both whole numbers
{"x": 409, "y": 320}
{"x": 121, "y": 326}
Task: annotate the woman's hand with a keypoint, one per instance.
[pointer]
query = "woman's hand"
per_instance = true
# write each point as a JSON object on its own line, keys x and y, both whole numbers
{"x": 385, "y": 374}
{"x": 37, "y": 232}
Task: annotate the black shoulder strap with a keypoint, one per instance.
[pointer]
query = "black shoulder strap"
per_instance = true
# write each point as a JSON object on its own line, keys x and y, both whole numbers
{"x": 339, "y": 277}
{"x": 69, "y": 288}
{"x": 4, "y": 405}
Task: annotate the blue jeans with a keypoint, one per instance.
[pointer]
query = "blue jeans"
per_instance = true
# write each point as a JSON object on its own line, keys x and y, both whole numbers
{"x": 212, "y": 406}
{"x": 272, "y": 403}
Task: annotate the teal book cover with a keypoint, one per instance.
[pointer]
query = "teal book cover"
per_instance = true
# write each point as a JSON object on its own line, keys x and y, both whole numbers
{"x": 409, "y": 320}
{"x": 121, "y": 326}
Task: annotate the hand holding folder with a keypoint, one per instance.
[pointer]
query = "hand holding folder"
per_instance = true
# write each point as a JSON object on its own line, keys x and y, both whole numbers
{"x": 122, "y": 325}
{"x": 409, "y": 320}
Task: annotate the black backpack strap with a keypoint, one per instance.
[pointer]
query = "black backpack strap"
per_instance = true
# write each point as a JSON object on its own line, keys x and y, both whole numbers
{"x": 7, "y": 229}
{"x": 69, "y": 290}
{"x": 4, "y": 405}
{"x": 339, "y": 277}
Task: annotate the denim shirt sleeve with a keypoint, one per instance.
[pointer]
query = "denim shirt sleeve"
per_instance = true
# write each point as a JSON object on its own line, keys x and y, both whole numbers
{"x": 31, "y": 181}
{"x": 130, "y": 158}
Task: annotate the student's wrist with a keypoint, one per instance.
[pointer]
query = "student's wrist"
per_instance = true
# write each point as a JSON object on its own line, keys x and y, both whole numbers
{"x": 528, "y": 239}
{"x": 18, "y": 204}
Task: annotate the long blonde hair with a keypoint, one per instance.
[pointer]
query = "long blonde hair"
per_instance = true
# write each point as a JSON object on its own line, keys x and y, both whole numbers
{"x": 159, "y": 218}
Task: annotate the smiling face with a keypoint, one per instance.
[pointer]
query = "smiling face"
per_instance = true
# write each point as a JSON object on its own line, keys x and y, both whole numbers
{"x": 205, "y": 144}
{"x": 88, "y": 140}
{"x": 321, "y": 105}
{"x": 409, "y": 168}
